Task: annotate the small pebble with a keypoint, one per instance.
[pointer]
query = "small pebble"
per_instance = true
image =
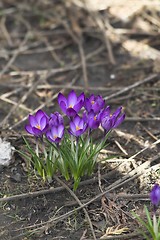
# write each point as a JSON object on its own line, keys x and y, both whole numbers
{"x": 16, "y": 177}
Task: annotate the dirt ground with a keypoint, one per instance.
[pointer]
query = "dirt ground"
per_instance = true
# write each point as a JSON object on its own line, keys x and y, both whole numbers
{"x": 109, "y": 48}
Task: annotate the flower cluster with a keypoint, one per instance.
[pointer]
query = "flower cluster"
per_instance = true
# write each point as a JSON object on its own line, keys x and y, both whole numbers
{"x": 95, "y": 114}
{"x": 70, "y": 150}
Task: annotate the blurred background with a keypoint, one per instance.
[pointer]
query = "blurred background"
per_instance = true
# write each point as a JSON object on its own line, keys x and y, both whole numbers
{"x": 93, "y": 46}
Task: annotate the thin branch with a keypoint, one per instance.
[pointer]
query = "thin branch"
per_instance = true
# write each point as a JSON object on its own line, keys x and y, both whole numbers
{"x": 22, "y": 100}
{"x": 13, "y": 58}
{"x": 132, "y": 86}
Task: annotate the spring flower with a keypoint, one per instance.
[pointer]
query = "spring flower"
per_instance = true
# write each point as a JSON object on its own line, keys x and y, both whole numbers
{"x": 92, "y": 119}
{"x": 71, "y": 105}
{"x": 155, "y": 195}
{"x": 56, "y": 133}
{"x": 77, "y": 126}
{"x": 109, "y": 121}
{"x": 38, "y": 123}
{"x": 95, "y": 103}
{"x": 56, "y": 119}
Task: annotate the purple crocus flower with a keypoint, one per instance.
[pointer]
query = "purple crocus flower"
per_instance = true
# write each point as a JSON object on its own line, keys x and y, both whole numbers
{"x": 56, "y": 119}
{"x": 92, "y": 119}
{"x": 56, "y": 133}
{"x": 95, "y": 103}
{"x": 155, "y": 195}
{"x": 77, "y": 126}
{"x": 38, "y": 123}
{"x": 109, "y": 121}
{"x": 71, "y": 105}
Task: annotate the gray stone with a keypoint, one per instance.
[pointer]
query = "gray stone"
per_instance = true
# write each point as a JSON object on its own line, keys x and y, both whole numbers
{"x": 6, "y": 152}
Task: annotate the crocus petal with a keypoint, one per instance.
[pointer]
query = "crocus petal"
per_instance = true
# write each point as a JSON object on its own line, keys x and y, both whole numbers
{"x": 62, "y": 101}
{"x": 29, "y": 129}
{"x": 37, "y": 131}
{"x": 155, "y": 195}
{"x": 43, "y": 122}
{"x": 100, "y": 101}
{"x": 81, "y": 97}
{"x": 81, "y": 123}
{"x": 85, "y": 117}
{"x": 77, "y": 126}
{"x": 63, "y": 106}
{"x": 107, "y": 124}
{"x": 54, "y": 135}
{"x": 91, "y": 114}
{"x": 105, "y": 112}
{"x": 60, "y": 130}
{"x": 46, "y": 128}
{"x": 70, "y": 132}
{"x": 55, "y": 119}
{"x": 71, "y": 112}
{"x": 95, "y": 103}
{"x": 75, "y": 132}
{"x": 91, "y": 98}
{"x": 93, "y": 123}
{"x": 72, "y": 127}
{"x": 45, "y": 114}
{"x": 50, "y": 138}
{"x": 78, "y": 106}
{"x": 88, "y": 105}
{"x": 39, "y": 114}
{"x": 96, "y": 108}
{"x": 99, "y": 116}
{"x": 59, "y": 118}
{"x": 33, "y": 122}
{"x": 72, "y": 99}
{"x": 61, "y": 98}
{"x": 48, "y": 134}
{"x": 57, "y": 140}
{"x": 117, "y": 112}
{"x": 77, "y": 119}
{"x": 79, "y": 132}
{"x": 119, "y": 120}
{"x": 54, "y": 131}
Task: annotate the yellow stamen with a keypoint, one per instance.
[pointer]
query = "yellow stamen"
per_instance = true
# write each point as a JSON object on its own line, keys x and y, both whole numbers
{"x": 55, "y": 136}
{"x": 77, "y": 128}
{"x": 92, "y": 102}
{"x": 37, "y": 126}
{"x": 95, "y": 118}
{"x": 70, "y": 106}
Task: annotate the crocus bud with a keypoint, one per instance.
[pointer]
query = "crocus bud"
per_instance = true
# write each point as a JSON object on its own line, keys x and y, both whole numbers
{"x": 155, "y": 195}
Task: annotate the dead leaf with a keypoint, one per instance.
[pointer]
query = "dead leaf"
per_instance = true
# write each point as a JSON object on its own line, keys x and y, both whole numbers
{"x": 115, "y": 230}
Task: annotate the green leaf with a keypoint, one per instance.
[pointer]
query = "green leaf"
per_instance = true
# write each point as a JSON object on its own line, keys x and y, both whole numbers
{"x": 148, "y": 216}
{"x": 148, "y": 226}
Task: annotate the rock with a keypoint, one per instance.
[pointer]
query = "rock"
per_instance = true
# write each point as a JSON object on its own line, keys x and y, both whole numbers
{"x": 16, "y": 177}
{"x": 6, "y": 152}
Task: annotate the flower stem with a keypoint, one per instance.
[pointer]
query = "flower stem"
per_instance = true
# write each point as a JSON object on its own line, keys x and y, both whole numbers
{"x": 88, "y": 137}
{"x": 44, "y": 150}
{"x": 155, "y": 225}
{"x": 77, "y": 147}
{"x": 37, "y": 148}
{"x": 72, "y": 143}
